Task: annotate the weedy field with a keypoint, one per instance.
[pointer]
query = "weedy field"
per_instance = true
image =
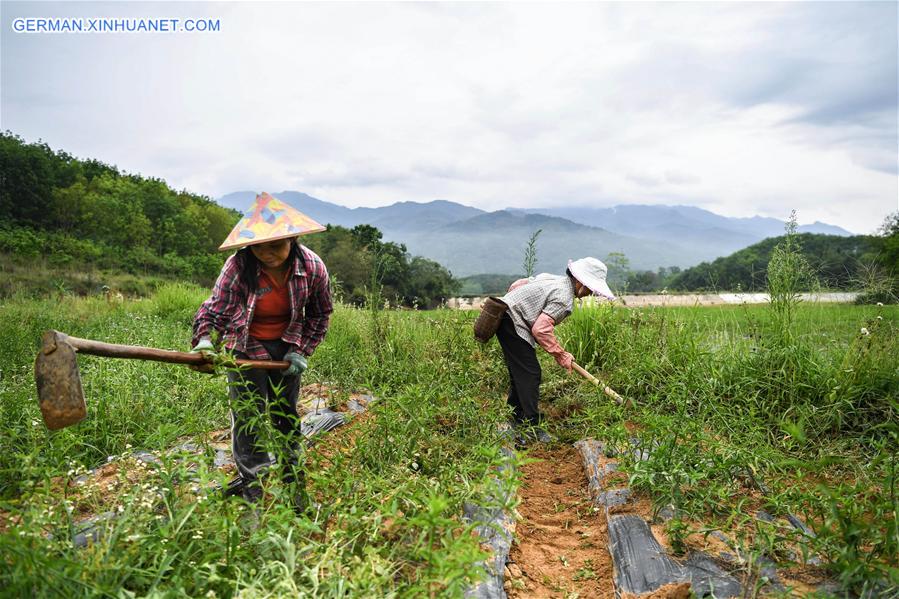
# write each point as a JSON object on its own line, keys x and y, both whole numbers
{"x": 790, "y": 408}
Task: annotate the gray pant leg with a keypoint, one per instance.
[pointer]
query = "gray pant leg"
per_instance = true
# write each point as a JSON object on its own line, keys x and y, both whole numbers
{"x": 247, "y": 390}
{"x": 283, "y": 393}
{"x": 251, "y": 391}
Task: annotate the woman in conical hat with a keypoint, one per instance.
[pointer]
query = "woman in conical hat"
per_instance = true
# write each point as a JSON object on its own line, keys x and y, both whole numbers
{"x": 535, "y": 306}
{"x": 272, "y": 301}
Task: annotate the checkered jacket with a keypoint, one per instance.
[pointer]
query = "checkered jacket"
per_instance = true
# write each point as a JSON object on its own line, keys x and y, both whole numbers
{"x": 229, "y": 310}
{"x": 552, "y": 294}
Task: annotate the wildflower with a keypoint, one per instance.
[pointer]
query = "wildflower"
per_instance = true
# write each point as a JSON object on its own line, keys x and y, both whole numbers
{"x": 865, "y": 331}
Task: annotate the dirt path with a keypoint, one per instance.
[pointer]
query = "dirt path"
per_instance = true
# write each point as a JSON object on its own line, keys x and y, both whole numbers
{"x": 560, "y": 546}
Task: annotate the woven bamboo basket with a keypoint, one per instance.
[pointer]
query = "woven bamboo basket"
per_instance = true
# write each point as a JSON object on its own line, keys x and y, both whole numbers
{"x": 487, "y": 324}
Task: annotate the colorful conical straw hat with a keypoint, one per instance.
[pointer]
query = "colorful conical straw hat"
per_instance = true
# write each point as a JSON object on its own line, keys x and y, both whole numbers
{"x": 269, "y": 219}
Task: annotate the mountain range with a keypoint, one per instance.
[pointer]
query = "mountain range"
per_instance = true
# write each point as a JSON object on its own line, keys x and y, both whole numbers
{"x": 470, "y": 241}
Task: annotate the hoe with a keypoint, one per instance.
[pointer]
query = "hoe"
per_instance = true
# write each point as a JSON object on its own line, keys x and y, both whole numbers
{"x": 59, "y": 389}
{"x": 605, "y": 388}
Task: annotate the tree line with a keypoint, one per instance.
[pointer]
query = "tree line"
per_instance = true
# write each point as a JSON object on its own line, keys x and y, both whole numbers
{"x": 868, "y": 263}
{"x": 850, "y": 263}
{"x": 65, "y": 212}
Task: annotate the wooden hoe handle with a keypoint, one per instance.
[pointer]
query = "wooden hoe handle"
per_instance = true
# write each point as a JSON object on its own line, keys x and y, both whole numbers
{"x": 605, "y": 388}
{"x": 112, "y": 350}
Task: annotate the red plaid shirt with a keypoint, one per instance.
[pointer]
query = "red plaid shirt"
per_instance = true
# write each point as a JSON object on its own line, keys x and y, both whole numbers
{"x": 229, "y": 310}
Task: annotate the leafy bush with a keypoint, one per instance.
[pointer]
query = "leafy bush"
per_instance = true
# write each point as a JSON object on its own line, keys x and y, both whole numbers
{"x": 880, "y": 296}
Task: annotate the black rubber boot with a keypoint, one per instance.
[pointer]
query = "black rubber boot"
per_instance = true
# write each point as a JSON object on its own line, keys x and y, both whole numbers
{"x": 234, "y": 487}
{"x": 252, "y": 491}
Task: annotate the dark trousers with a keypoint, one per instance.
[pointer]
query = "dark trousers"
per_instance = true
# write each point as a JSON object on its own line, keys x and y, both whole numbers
{"x": 524, "y": 373}
{"x": 252, "y": 392}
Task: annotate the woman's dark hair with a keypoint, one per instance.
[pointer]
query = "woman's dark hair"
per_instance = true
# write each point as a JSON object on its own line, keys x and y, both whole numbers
{"x": 249, "y": 264}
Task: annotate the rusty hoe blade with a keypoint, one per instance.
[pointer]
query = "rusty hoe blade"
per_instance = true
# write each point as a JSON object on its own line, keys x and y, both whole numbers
{"x": 59, "y": 390}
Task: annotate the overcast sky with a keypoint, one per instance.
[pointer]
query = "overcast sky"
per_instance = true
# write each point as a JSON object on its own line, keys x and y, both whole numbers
{"x": 742, "y": 109}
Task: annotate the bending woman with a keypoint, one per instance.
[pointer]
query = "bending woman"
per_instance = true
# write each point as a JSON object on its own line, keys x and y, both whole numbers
{"x": 535, "y": 307}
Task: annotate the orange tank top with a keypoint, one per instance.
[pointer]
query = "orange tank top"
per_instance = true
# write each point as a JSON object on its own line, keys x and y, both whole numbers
{"x": 272, "y": 313}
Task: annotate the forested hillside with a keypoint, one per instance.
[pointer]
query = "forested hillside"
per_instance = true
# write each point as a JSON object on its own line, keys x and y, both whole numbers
{"x": 58, "y": 210}
{"x": 68, "y": 224}
{"x": 836, "y": 262}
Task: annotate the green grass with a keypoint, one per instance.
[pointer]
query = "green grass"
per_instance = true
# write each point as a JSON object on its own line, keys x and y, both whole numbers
{"x": 728, "y": 402}
{"x": 722, "y": 397}
{"x": 433, "y": 413}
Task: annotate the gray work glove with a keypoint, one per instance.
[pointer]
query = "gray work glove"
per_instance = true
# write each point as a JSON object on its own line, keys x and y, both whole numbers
{"x": 205, "y": 348}
{"x": 297, "y": 364}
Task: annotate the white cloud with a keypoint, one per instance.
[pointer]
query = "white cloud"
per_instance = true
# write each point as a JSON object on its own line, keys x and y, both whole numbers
{"x": 746, "y": 109}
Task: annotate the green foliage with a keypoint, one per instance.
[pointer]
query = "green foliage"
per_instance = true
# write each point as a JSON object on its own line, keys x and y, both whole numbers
{"x": 619, "y": 269}
{"x": 888, "y": 243}
{"x": 727, "y": 405}
{"x": 530, "y": 254}
{"x": 391, "y": 502}
{"x": 877, "y": 296}
{"x": 649, "y": 281}
{"x": 478, "y": 285}
{"x": 354, "y": 256}
{"x": 788, "y": 274}
{"x": 857, "y": 525}
{"x": 58, "y": 211}
{"x": 837, "y": 263}
{"x": 879, "y": 278}
{"x": 178, "y": 302}
{"x": 85, "y": 214}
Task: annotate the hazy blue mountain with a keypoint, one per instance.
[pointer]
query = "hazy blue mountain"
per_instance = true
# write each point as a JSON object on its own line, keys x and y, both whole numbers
{"x": 706, "y": 232}
{"x": 413, "y": 216}
{"x": 401, "y": 216}
{"x": 494, "y": 242}
{"x": 470, "y": 241}
{"x": 323, "y": 212}
{"x": 824, "y": 229}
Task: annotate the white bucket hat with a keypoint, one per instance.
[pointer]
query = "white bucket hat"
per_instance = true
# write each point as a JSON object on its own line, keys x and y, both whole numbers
{"x": 592, "y": 273}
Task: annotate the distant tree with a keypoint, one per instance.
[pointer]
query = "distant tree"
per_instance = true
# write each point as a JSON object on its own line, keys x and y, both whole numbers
{"x": 430, "y": 283}
{"x": 489, "y": 284}
{"x": 619, "y": 267}
{"x": 367, "y": 236}
{"x": 26, "y": 180}
{"x": 357, "y": 256}
{"x": 888, "y": 244}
